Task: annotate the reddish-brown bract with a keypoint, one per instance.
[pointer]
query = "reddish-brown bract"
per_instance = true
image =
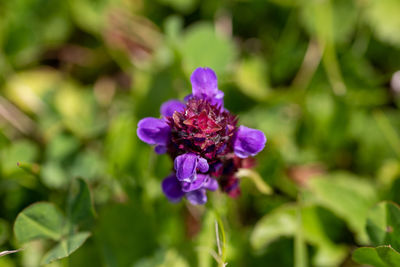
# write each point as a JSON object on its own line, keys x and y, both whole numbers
{"x": 207, "y": 130}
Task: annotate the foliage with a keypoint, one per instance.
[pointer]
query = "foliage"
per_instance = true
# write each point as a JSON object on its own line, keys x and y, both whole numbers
{"x": 78, "y": 188}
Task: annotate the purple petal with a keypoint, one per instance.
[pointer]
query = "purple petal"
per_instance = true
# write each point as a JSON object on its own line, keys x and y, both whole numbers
{"x": 197, "y": 197}
{"x": 202, "y": 165}
{"x": 172, "y": 188}
{"x": 188, "y": 97}
{"x": 218, "y": 99}
{"x": 160, "y": 149}
{"x": 204, "y": 83}
{"x": 185, "y": 166}
{"x": 248, "y": 142}
{"x": 169, "y": 107}
{"x": 153, "y": 131}
{"x": 196, "y": 184}
{"x": 210, "y": 184}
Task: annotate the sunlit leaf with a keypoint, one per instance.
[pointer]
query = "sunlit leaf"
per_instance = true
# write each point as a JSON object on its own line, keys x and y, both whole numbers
{"x": 66, "y": 247}
{"x": 280, "y": 222}
{"x": 202, "y": 46}
{"x": 23, "y": 151}
{"x": 163, "y": 259}
{"x": 383, "y": 256}
{"x": 383, "y": 225}
{"x": 383, "y": 17}
{"x": 80, "y": 205}
{"x": 40, "y": 220}
{"x": 347, "y": 196}
{"x": 252, "y": 78}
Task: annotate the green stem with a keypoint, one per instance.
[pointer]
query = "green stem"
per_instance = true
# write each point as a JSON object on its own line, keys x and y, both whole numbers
{"x": 221, "y": 246}
{"x": 300, "y": 248}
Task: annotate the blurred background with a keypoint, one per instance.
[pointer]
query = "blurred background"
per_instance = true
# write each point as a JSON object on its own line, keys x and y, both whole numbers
{"x": 318, "y": 77}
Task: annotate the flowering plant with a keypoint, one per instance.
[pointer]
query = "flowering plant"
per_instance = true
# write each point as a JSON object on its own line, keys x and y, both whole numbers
{"x": 204, "y": 141}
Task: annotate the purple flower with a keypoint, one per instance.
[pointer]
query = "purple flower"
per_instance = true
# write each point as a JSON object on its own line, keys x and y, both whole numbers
{"x": 205, "y": 86}
{"x": 187, "y": 164}
{"x": 154, "y": 131}
{"x": 194, "y": 191}
{"x": 197, "y": 197}
{"x": 203, "y": 140}
{"x": 169, "y": 107}
{"x": 172, "y": 188}
{"x": 248, "y": 142}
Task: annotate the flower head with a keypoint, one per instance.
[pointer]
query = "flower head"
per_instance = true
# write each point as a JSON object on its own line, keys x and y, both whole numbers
{"x": 203, "y": 140}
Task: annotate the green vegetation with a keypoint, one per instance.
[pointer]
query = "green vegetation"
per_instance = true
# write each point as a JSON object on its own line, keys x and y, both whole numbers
{"x": 78, "y": 188}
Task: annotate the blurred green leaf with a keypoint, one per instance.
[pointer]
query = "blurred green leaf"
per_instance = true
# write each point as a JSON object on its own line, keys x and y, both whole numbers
{"x": 383, "y": 18}
{"x": 23, "y": 151}
{"x": 120, "y": 143}
{"x": 125, "y": 227}
{"x": 91, "y": 15}
{"x": 48, "y": 25}
{"x": 252, "y": 78}
{"x": 66, "y": 247}
{"x": 383, "y": 225}
{"x": 40, "y": 220}
{"x": 53, "y": 175}
{"x": 28, "y": 88}
{"x": 163, "y": 259}
{"x": 88, "y": 164}
{"x": 347, "y": 196}
{"x": 280, "y": 222}
{"x": 80, "y": 206}
{"x": 383, "y": 256}
{"x": 283, "y": 222}
{"x": 78, "y": 110}
{"x": 61, "y": 146}
{"x": 334, "y": 20}
{"x": 202, "y": 46}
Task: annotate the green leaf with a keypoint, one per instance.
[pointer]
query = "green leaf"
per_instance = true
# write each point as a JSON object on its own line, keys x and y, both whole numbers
{"x": 331, "y": 20}
{"x": 280, "y": 222}
{"x": 283, "y": 222}
{"x": 19, "y": 151}
{"x": 120, "y": 144}
{"x": 80, "y": 205}
{"x": 48, "y": 25}
{"x": 383, "y": 17}
{"x": 383, "y": 256}
{"x": 383, "y": 225}
{"x": 163, "y": 259}
{"x": 91, "y": 15}
{"x": 53, "y": 175}
{"x": 202, "y": 46}
{"x": 66, "y": 247}
{"x": 251, "y": 78}
{"x": 347, "y": 196}
{"x": 78, "y": 109}
{"x": 40, "y": 220}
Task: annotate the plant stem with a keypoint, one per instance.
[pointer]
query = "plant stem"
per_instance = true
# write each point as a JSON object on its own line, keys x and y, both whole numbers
{"x": 219, "y": 227}
{"x": 300, "y": 248}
